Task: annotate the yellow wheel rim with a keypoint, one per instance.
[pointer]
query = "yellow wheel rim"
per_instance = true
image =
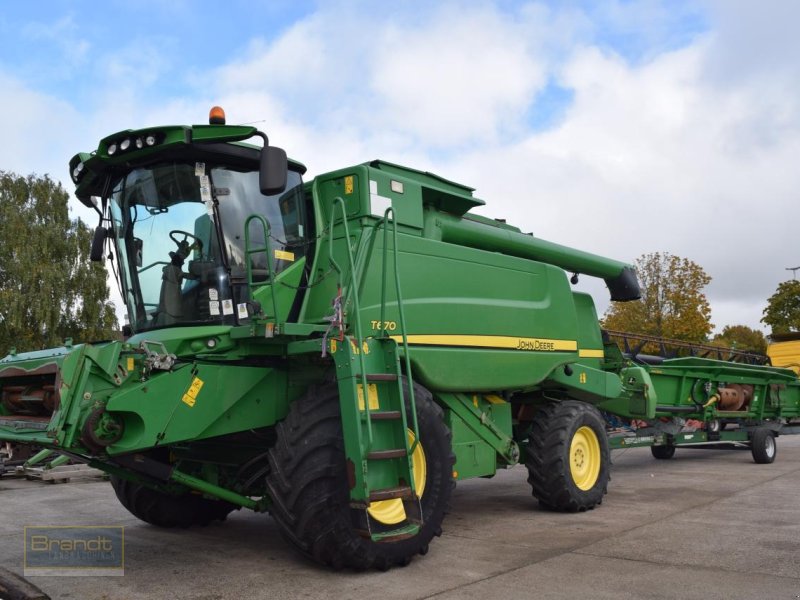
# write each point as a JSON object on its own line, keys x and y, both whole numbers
{"x": 585, "y": 458}
{"x": 391, "y": 512}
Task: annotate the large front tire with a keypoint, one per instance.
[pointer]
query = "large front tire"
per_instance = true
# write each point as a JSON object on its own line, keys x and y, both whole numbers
{"x": 164, "y": 510}
{"x": 568, "y": 457}
{"x": 309, "y": 490}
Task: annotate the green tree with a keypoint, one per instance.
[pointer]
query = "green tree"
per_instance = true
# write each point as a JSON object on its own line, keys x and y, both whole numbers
{"x": 742, "y": 337}
{"x": 783, "y": 308}
{"x": 49, "y": 290}
{"x": 672, "y": 305}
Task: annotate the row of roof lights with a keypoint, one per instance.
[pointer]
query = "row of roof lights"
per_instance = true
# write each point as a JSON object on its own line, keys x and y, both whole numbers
{"x": 125, "y": 144}
{"x": 115, "y": 147}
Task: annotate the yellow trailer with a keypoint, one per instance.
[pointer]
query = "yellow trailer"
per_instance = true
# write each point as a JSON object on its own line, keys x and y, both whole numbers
{"x": 784, "y": 351}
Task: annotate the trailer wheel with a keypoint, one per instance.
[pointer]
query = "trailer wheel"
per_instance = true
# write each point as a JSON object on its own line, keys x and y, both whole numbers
{"x": 165, "y": 510}
{"x": 310, "y": 497}
{"x": 663, "y": 452}
{"x": 763, "y": 446}
{"x": 568, "y": 456}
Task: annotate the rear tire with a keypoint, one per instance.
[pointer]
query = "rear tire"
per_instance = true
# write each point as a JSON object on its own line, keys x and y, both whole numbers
{"x": 568, "y": 457}
{"x": 308, "y": 484}
{"x": 662, "y": 452}
{"x": 763, "y": 446}
{"x": 164, "y": 510}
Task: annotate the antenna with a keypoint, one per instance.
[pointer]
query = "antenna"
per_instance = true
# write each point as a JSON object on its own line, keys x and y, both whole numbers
{"x": 794, "y": 271}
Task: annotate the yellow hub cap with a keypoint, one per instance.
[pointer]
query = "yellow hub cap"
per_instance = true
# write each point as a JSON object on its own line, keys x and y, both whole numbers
{"x": 391, "y": 512}
{"x": 584, "y": 458}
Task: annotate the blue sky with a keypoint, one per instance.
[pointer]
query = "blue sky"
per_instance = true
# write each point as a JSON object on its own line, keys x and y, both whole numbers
{"x": 619, "y": 127}
{"x": 65, "y": 48}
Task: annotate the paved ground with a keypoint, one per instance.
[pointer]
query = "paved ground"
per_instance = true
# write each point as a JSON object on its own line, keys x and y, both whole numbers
{"x": 707, "y": 524}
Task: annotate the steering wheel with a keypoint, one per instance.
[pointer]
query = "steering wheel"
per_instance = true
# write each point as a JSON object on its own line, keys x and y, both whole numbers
{"x": 183, "y": 244}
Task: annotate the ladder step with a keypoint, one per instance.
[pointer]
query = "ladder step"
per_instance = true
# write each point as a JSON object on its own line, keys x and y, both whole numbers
{"x": 385, "y": 454}
{"x": 402, "y": 491}
{"x": 381, "y": 377}
{"x": 385, "y": 415}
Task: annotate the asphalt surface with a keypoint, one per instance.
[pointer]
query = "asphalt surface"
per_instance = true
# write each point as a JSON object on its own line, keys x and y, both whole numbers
{"x": 706, "y": 524}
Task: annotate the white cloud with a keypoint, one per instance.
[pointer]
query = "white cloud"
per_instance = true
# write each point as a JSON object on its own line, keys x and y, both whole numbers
{"x": 63, "y": 34}
{"x": 37, "y": 130}
{"x": 468, "y": 78}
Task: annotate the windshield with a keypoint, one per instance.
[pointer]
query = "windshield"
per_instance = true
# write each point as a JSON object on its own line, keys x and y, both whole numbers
{"x": 179, "y": 231}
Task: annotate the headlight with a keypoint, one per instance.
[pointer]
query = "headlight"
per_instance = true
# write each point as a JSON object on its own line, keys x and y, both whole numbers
{"x": 125, "y": 144}
{"x": 77, "y": 171}
{"x": 150, "y": 140}
{"x": 112, "y": 149}
{"x": 139, "y": 143}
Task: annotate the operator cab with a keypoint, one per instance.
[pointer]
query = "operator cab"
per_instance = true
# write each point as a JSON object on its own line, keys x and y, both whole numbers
{"x": 179, "y": 232}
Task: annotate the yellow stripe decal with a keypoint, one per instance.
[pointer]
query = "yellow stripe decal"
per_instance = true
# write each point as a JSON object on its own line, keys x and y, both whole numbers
{"x": 494, "y": 399}
{"x": 492, "y": 341}
{"x": 583, "y": 353}
{"x": 283, "y": 255}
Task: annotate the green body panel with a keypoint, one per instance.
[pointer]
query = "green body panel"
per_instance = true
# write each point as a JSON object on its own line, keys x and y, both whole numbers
{"x": 474, "y": 457}
{"x": 490, "y": 419}
{"x": 468, "y": 309}
{"x": 158, "y": 411}
{"x": 285, "y": 291}
{"x": 638, "y": 398}
{"x": 471, "y": 421}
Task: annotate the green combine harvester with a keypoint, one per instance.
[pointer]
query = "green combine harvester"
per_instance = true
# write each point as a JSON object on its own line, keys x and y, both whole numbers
{"x": 340, "y": 352}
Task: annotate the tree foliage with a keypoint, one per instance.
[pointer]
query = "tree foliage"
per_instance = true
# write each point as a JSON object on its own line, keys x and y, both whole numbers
{"x": 742, "y": 337}
{"x": 673, "y": 304}
{"x": 48, "y": 288}
{"x": 783, "y": 308}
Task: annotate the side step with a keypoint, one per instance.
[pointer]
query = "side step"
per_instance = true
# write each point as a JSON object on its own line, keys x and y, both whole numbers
{"x": 386, "y": 415}
{"x": 401, "y": 491}
{"x": 387, "y": 454}
{"x": 373, "y": 377}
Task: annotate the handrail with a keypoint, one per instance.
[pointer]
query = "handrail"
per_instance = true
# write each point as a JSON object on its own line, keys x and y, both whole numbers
{"x": 248, "y": 252}
{"x": 338, "y": 201}
{"x": 407, "y": 359}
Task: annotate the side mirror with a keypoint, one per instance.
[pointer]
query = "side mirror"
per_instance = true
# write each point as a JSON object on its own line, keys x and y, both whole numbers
{"x": 98, "y": 242}
{"x": 273, "y": 170}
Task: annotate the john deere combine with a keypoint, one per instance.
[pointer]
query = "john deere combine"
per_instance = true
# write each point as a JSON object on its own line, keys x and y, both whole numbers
{"x": 339, "y": 352}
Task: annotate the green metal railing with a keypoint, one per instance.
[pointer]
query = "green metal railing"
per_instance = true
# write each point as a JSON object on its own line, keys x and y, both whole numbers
{"x": 248, "y": 252}
{"x": 338, "y": 201}
{"x": 407, "y": 359}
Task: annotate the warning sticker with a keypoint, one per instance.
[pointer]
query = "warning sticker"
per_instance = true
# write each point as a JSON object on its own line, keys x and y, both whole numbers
{"x": 227, "y": 307}
{"x": 205, "y": 189}
{"x": 199, "y": 169}
{"x": 213, "y": 307}
{"x": 213, "y": 294}
{"x": 372, "y": 395}
{"x": 190, "y": 397}
{"x": 283, "y": 255}
{"x": 242, "y": 310}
